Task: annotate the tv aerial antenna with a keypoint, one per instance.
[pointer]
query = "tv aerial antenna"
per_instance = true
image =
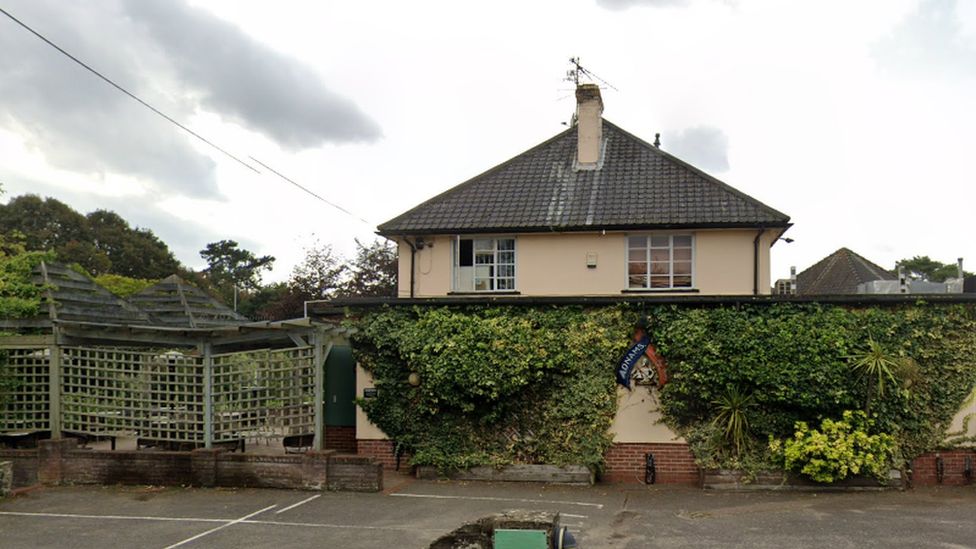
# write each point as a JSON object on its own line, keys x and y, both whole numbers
{"x": 578, "y": 72}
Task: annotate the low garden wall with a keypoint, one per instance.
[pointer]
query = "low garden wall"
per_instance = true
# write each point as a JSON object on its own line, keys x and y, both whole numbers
{"x": 6, "y": 478}
{"x": 57, "y": 462}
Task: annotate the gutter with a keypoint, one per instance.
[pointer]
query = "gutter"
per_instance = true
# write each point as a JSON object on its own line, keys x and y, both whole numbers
{"x": 339, "y": 306}
{"x": 579, "y": 228}
{"x": 755, "y": 261}
{"x": 413, "y": 270}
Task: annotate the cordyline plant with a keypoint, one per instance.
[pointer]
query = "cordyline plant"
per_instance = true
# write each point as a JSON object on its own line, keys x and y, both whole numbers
{"x": 878, "y": 367}
{"x": 730, "y": 418}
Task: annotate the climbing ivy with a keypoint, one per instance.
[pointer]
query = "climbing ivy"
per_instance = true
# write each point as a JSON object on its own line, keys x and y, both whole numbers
{"x": 506, "y": 384}
{"x": 794, "y": 361}
{"x": 20, "y": 297}
{"x": 496, "y": 385}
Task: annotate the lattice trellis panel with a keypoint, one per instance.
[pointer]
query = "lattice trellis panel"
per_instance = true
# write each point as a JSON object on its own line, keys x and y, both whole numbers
{"x": 152, "y": 395}
{"x": 25, "y": 384}
{"x": 263, "y": 393}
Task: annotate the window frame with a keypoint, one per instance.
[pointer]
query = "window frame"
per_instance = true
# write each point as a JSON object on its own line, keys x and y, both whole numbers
{"x": 455, "y": 264}
{"x": 671, "y": 275}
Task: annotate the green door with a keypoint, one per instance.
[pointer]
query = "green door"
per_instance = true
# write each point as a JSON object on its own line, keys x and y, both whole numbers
{"x": 340, "y": 387}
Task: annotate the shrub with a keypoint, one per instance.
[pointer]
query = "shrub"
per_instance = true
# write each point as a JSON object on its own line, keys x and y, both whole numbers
{"x": 838, "y": 449}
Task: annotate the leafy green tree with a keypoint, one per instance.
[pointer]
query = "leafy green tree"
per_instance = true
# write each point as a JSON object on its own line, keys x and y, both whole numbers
{"x": 85, "y": 255}
{"x": 373, "y": 272}
{"x": 273, "y": 302}
{"x": 320, "y": 275}
{"x": 922, "y": 267}
{"x": 230, "y": 267}
{"x": 46, "y": 223}
{"x": 134, "y": 253}
{"x": 101, "y": 242}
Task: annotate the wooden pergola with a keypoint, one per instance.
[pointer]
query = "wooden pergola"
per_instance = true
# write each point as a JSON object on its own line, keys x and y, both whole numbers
{"x": 171, "y": 364}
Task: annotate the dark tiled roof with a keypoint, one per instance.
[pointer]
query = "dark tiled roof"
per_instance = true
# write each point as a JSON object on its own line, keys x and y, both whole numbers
{"x": 175, "y": 302}
{"x": 75, "y": 297}
{"x": 839, "y": 273}
{"x": 638, "y": 186}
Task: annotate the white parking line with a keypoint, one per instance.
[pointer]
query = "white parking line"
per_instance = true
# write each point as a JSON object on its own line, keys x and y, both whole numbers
{"x": 292, "y": 506}
{"x": 111, "y": 517}
{"x": 341, "y": 526}
{"x": 487, "y": 498}
{"x": 225, "y": 521}
{"x": 221, "y": 527}
{"x": 572, "y": 515}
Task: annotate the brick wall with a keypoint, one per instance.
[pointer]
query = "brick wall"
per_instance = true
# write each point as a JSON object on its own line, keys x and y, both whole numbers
{"x": 24, "y": 464}
{"x": 674, "y": 463}
{"x": 355, "y": 474}
{"x": 341, "y": 439}
{"x": 156, "y": 468}
{"x": 924, "y": 472}
{"x": 61, "y": 462}
{"x": 6, "y": 478}
{"x": 382, "y": 452}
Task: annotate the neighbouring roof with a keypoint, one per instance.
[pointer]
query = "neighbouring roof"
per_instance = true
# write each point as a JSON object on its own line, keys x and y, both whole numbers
{"x": 71, "y": 296}
{"x": 175, "y": 302}
{"x": 637, "y": 186}
{"x": 839, "y": 273}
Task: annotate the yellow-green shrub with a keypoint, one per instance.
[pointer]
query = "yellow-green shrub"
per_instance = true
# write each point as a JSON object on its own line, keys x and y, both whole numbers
{"x": 840, "y": 448}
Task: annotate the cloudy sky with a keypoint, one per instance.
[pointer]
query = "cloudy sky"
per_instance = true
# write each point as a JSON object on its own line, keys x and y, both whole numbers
{"x": 855, "y": 118}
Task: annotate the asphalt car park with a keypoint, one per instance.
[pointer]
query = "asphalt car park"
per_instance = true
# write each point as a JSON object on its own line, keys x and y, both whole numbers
{"x": 414, "y": 513}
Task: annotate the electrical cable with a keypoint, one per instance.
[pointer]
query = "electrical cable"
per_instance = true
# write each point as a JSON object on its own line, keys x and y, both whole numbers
{"x": 125, "y": 91}
{"x": 181, "y": 126}
{"x": 300, "y": 186}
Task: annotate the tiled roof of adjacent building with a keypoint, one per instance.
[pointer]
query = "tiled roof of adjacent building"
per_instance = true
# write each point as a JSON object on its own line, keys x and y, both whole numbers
{"x": 175, "y": 302}
{"x": 637, "y": 186}
{"x": 839, "y": 273}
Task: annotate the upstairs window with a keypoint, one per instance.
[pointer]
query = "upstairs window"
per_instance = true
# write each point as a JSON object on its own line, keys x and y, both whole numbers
{"x": 484, "y": 264}
{"x": 660, "y": 262}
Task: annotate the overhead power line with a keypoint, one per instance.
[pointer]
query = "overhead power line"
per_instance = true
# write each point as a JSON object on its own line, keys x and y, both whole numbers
{"x": 125, "y": 91}
{"x": 173, "y": 121}
{"x": 309, "y": 191}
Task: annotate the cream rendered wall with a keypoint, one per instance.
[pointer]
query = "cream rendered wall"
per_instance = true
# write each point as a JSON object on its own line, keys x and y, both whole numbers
{"x": 554, "y": 264}
{"x": 959, "y": 426}
{"x": 432, "y": 265}
{"x": 365, "y": 429}
{"x": 638, "y": 418}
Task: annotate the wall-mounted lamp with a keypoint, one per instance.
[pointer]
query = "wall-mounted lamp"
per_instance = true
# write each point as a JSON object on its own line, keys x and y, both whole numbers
{"x": 413, "y": 379}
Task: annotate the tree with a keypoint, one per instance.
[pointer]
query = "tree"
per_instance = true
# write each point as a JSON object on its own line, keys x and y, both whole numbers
{"x": 47, "y": 224}
{"x": 101, "y": 242}
{"x": 229, "y": 266}
{"x": 373, "y": 272}
{"x": 320, "y": 275}
{"x": 924, "y": 268}
{"x": 135, "y": 253}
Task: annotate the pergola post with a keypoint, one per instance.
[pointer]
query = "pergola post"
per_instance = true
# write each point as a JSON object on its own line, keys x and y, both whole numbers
{"x": 54, "y": 386}
{"x": 208, "y": 423}
{"x": 320, "y": 355}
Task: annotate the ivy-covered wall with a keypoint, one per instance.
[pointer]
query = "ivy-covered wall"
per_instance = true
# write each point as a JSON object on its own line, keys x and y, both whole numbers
{"x": 496, "y": 385}
{"x": 503, "y": 384}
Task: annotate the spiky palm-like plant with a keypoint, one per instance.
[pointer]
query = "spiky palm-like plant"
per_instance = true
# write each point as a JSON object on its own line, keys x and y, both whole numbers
{"x": 878, "y": 367}
{"x": 731, "y": 419}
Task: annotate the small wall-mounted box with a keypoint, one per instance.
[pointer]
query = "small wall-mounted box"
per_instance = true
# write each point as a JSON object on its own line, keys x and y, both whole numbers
{"x": 591, "y": 260}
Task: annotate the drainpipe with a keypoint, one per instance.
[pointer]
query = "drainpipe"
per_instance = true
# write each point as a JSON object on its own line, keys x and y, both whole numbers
{"x": 413, "y": 259}
{"x": 755, "y": 261}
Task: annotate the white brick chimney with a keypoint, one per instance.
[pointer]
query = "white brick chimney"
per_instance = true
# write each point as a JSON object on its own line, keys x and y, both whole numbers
{"x": 589, "y": 126}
